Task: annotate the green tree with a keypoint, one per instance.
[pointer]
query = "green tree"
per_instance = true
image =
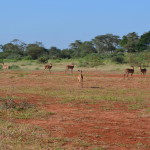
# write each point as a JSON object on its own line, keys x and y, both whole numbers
{"x": 54, "y": 53}
{"x": 106, "y": 43}
{"x": 67, "y": 53}
{"x": 86, "y": 48}
{"x": 35, "y": 51}
{"x": 129, "y": 42}
{"x": 76, "y": 48}
{"x": 144, "y": 42}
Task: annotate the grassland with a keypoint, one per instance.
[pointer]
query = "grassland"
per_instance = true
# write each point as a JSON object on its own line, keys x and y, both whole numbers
{"x": 109, "y": 112}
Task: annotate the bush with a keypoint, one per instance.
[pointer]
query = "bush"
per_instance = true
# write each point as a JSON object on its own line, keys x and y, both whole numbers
{"x": 119, "y": 59}
{"x": 14, "y": 57}
{"x": 14, "y": 67}
{"x": 27, "y": 58}
{"x": 43, "y": 60}
{"x": 91, "y": 60}
{"x": 83, "y": 63}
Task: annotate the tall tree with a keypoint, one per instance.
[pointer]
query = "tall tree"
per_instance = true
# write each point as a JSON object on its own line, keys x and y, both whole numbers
{"x": 129, "y": 42}
{"x": 144, "y": 42}
{"x": 106, "y": 43}
{"x": 35, "y": 51}
{"x": 76, "y": 48}
{"x": 54, "y": 53}
{"x": 86, "y": 48}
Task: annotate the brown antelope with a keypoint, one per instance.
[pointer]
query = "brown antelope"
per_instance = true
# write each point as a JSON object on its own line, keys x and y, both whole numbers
{"x": 5, "y": 66}
{"x": 69, "y": 67}
{"x": 80, "y": 78}
{"x": 129, "y": 71}
{"x": 143, "y": 71}
{"x": 48, "y": 67}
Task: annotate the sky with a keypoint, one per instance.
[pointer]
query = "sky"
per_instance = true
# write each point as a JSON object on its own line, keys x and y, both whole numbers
{"x": 60, "y": 22}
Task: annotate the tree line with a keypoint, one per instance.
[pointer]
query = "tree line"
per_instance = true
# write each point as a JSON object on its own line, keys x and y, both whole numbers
{"x": 104, "y": 46}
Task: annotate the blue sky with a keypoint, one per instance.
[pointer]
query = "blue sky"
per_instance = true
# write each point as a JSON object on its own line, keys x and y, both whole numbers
{"x": 61, "y": 22}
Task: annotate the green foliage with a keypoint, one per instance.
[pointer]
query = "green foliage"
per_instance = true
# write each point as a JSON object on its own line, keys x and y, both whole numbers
{"x": 139, "y": 59}
{"x": 119, "y": 59}
{"x": 91, "y": 60}
{"x": 1, "y": 67}
{"x": 43, "y": 60}
{"x": 106, "y": 43}
{"x": 14, "y": 57}
{"x": 10, "y": 60}
{"x": 144, "y": 42}
{"x": 130, "y": 41}
{"x": 27, "y": 58}
{"x": 35, "y": 51}
{"x": 54, "y": 53}
{"x": 14, "y": 67}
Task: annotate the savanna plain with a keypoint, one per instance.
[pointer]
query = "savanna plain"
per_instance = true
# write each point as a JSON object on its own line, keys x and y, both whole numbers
{"x": 42, "y": 110}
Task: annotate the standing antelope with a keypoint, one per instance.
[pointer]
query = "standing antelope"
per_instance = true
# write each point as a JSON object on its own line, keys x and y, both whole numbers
{"x": 69, "y": 67}
{"x": 80, "y": 78}
{"x": 48, "y": 67}
{"x": 143, "y": 71}
{"x": 129, "y": 71}
{"x": 5, "y": 66}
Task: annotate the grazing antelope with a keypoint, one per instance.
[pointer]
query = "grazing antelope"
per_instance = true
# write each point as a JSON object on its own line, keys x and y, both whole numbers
{"x": 5, "y": 66}
{"x": 80, "y": 78}
{"x": 129, "y": 71}
{"x": 69, "y": 67}
{"x": 143, "y": 71}
{"x": 48, "y": 67}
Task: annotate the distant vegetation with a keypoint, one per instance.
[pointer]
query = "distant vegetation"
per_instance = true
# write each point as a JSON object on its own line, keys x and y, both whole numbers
{"x": 130, "y": 48}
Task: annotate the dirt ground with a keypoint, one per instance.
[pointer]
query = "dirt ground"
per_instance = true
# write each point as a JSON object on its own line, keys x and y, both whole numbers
{"x": 113, "y": 128}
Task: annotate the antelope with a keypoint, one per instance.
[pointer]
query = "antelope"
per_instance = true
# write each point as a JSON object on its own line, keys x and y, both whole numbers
{"x": 129, "y": 71}
{"x": 69, "y": 67}
{"x": 80, "y": 78}
{"x": 5, "y": 66}
{"x": 48, "y": 67}
{"x": 143, "y": 71}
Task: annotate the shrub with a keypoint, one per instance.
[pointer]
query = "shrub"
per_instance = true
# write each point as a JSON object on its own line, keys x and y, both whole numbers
{"x": 27, "y": 58}
{"x": 1, "y": 67}
{"x": 43, "y": 60}
{"x": 91, "y": 60}
{"x": 119, "y": 59}
{"x": 14, "y": 57}
{"x": 14, "y": 67}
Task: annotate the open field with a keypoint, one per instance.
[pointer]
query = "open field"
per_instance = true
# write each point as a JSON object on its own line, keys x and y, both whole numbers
{"x": 108, "y": 113}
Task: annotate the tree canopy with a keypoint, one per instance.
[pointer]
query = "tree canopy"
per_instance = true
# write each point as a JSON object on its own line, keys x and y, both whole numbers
{"x": 107, "y": 44}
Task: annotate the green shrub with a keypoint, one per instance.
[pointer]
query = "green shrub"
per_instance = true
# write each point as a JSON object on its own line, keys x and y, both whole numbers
{"x": 14, "y": 67}
{"x": 43, "y": 60}
{"x": 91, "y": 60}
{"x": 119, "y": 59}
{"x": 1, "y": 67}
{"x": 27, "y": 58}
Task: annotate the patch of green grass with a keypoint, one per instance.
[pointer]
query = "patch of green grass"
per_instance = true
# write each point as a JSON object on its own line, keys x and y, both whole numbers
{"x": 30, "y": 113}
{"x": 82, "y": 143}
{"x": 20, "y": 75}
{"x": 11, "y": 77}
{"x": 135, "y": 106}
{"x": 16, "y": 137}
{"x": 99, "y": 148}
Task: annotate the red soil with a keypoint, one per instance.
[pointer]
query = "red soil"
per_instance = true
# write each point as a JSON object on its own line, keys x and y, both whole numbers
{"x": 116, "y": 129}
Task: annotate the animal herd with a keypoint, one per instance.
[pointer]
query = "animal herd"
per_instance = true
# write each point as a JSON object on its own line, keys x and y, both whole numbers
{"x": 131, "y": 71}
{"x": 128, "y": 71}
